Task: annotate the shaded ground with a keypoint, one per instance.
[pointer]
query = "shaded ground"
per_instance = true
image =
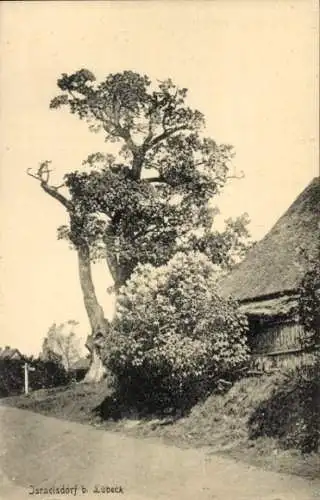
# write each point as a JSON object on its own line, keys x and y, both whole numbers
{"x": 45, "y": 452}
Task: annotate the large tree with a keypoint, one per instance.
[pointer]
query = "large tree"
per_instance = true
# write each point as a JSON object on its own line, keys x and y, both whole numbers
{"x": 152, "y": 196}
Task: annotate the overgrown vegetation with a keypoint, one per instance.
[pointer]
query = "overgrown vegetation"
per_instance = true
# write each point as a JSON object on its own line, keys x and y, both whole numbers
{"x": 291, "y": 413}
{"x": 174, "y": 336}
{"x": 309, "y": 303}
{"x": 46, "y": 374}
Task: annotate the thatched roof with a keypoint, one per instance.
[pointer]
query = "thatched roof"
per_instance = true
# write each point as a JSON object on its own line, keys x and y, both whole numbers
{"x": 276, "y": 264}
{"x": 284, "y": 306}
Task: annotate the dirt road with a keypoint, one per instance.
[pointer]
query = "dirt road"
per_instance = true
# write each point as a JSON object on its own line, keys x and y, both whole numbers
{"x": 45, "y": 458}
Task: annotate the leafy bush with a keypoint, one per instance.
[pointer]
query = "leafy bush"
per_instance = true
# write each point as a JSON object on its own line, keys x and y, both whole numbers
{"x": 291, "y": 413}
{"x": 47, "y": 374}
{"x": 173, "y": 334}
{"x": 11, "y": 377}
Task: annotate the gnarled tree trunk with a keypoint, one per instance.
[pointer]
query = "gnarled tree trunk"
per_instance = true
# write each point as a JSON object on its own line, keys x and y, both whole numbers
{"x": 95, "y": 313}
{"x": 96, "y": 317}
{"x": 97, "y": 370}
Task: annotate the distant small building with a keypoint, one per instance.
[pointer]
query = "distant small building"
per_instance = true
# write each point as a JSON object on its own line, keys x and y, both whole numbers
{"x": 81, "y": 364}
{"x": 9, "y": 353}
{"x": 266, "y": 282}
{"x": 80, "y": 368}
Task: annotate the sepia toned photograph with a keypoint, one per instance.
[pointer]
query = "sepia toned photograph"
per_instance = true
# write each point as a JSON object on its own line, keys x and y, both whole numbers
{"x": 159, "y": 250}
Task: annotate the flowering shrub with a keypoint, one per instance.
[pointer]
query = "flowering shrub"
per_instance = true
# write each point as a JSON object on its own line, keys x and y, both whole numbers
{"x": 173, "y": 334}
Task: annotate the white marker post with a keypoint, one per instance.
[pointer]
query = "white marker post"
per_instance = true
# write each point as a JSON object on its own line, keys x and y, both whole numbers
{"x": 26, "y": 379}
{"x": 27, "y": 368}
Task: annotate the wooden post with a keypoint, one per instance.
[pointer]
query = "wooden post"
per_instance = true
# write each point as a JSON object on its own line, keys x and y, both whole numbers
{"x": 26, "y": 379}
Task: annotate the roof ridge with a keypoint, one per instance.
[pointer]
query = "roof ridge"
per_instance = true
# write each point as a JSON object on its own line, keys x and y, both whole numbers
{"x": 277, "y": 262}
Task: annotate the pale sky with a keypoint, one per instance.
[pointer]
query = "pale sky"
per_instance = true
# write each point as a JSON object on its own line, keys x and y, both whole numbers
{"x": 251, "y": 68}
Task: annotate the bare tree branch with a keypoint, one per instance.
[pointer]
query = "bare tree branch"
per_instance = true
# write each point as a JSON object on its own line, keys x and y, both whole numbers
{"x": 150, "y": 129}
{"x": 111, "y": 257}
{"x": 154, "y": 179}
{"x": 43, "y": 176}
{"x": 167, "y": 133}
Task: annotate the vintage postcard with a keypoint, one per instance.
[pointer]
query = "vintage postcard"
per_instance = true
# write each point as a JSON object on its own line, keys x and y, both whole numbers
{"x": 160, "y": 280}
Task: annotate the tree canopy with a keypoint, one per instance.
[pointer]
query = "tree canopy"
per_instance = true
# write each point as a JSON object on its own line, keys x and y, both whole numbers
{"x": 152, "y": 197}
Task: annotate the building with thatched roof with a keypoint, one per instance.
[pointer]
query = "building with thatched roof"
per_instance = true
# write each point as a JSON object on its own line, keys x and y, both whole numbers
{"x": 266, "y": 282}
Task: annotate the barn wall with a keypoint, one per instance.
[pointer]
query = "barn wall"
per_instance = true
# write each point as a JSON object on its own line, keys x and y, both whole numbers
{"x": 277, "y": 344}
{"x": 274, "y": 337}
{"x": 287, "y": 360}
